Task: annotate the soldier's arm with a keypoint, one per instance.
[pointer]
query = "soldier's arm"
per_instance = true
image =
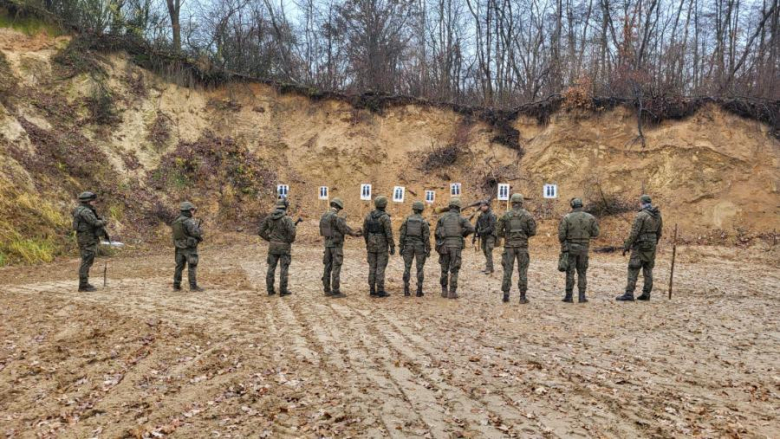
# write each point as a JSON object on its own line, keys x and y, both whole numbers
{"x": 635, "y": 229}
{"x": 388, "y": 225}
{"x": 344, "y": 229}
{"x": 426, "y": 236}
{"x": 466, "y": 225}
{"x": 492, "y": 224}
{"x": 660, "y": 228}
{"x": 193, "y": 230}
{"x": 365, "y": 228}
{"x": 291, "y": 229}
{"x": 500, "y": 227}
{"x": 531, "y": 226}
{"x": 402, "y": 234}
{"x": 563, "y": 230}
{"x": 263, "y": 229}
{"x": 89, "y": 217}
{"x": 594, "y": 228}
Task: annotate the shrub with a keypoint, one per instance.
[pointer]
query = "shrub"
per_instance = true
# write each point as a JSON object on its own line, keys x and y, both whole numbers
{"x": 441, "y": 157}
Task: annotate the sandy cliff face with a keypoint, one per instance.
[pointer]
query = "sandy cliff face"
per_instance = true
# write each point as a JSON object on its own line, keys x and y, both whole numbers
{"x": 227, "y": 149}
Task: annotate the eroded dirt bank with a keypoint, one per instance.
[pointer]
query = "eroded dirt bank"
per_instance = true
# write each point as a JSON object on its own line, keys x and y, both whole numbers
{"x": 137, "y": 360}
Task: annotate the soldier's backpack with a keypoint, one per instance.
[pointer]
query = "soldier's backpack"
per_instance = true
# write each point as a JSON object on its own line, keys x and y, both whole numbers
{"x": 515, "y": 231}
{"x": 326, "y": 225}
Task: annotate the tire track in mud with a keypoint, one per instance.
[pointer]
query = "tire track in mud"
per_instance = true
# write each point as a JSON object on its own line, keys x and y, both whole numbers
{"x": 464, "y": 411}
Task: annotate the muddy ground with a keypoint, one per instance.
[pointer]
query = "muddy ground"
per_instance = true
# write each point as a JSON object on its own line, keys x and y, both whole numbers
{"x": 138, "y": 360}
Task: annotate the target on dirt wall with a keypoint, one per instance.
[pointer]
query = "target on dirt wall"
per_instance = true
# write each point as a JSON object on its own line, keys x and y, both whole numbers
{"x": 323, "y": 194}
{"x": 430, "y": 196}
{"x": 398, "y": 194}
{"x": 365, "y": 192}
{"x": 282, "y": 190}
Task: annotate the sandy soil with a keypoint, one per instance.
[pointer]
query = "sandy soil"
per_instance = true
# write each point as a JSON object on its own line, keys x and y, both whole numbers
{"x": 138, "y": 360}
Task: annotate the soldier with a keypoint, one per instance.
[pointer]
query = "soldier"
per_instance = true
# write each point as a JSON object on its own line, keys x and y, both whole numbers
{"x": 89, "y": 228}
{"x": 642, "y": 242}
{"x": 516, "y": 226}
{"x": 575, "y": 232}
{"x": 186, "y": 237}
{"x": 278, "y": 230}
{"x": 450, "y": 231}
{"x": 486, "y": 231}
{"x": 415, "y": 242}
{"x": 379, "y": 240}
{"x": 333, "y": 228}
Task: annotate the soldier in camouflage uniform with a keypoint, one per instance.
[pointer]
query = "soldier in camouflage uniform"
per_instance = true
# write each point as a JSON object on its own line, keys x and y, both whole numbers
{"x": 574, "y": 233}
{"x": 278, "y": 230}
{"x": 515, "y": 227}
{"x": 486, "y": 231}
{"x": 333, "y": 228}
{"x": 379, "y": 241}
{"x": 186, "y": 237}
{"x": 642, "y": 242}
{"x": 450, "y": 231}
{"x": 89, "y": 228}
{"x": 415, "y": 243}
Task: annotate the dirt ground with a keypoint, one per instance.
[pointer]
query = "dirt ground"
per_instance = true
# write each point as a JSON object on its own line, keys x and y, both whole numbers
{"x": 138, "y": 360}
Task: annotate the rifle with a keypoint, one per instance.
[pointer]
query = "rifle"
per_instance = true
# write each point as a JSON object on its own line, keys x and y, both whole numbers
{"x": 298, "y": 221}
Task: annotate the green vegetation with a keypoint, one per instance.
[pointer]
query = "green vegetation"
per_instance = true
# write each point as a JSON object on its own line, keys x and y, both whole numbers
{"x": 29, "y": 25}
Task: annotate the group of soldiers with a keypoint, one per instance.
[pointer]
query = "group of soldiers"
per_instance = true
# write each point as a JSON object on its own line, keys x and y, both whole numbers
{"x": 514, "y": 228}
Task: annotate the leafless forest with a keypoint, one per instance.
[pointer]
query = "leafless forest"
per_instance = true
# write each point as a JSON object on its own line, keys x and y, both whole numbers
{"x": 496, "y": 53}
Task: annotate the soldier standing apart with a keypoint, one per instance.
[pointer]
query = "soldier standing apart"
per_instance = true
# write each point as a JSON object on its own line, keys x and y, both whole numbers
{"x": 379, "y": 240}
{"x": 450, "y": 231}
{"x": 186, "y": 237}
{"x": 642, "y": 242}
{"x": 278, "y": 230}
{"x": 516, "y": 226}
{"x": 486, "y": 230}
{"x": 333, "y": 228}
{"x": 415, "y": 243}
{"x": 575, "y": 232}
{"x": 89, "y": 228}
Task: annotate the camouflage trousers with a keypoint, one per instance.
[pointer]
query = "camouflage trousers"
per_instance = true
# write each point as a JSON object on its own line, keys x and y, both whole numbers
{"x": 186, "y": 257}
{"x": 377, "y": 263}
{"x": 488, "y": 244}
{"x": 274, "y": 259}
{"x": 641, "y": 260}
{"x": 88, "y": 253}
{"x": 450, "y": 261}
{"x": 414, "y": 251}
{"x": 508, "y": 262}
{"x": 578, "y": 261}
{"x": 333, "y": 259}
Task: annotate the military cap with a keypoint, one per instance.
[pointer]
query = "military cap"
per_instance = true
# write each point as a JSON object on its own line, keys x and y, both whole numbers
{"x": 336, "y": 202}
{"x": 187, "y": 206}
{"x": 87, "y": 196}
{"x": 455, "y": 202}
{"x": 646, "y": 199}
{"x": 418, "y": 205}
{"x": 380, "y": 202}
{"x": 517, "y": 198}
{"x": 576, "y": 202}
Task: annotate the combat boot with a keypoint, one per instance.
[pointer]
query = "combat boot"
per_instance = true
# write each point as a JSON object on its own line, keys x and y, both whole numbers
{"x": 523, "y": 299}
{"x": 87, "y": 288}
{"x": 627, "y": 297}
{"x": 372, "y": 291}
{"x": 337, "y": 295}
{"x": 582, "y": 298}
{"x": 328, "y": 293}
{"x": 176, "y": 287}
{"x": 568, "y": 298}
{"x": 197, "y": 289}
{"x": 444, "y": 291}
{"x": 382, "y": 294}
{"x": 284, "y": 293}
{"x": 505, "y": 299}
{"x": 419, "y": 291}
{"x": 453, "y": 293}
{"x": 271, "y": 292}
{"x": 644, "y": 296}
{"x": 406, "y": 290}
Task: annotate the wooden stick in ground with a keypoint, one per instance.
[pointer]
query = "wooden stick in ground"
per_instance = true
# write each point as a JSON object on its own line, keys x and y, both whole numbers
{"x": 674, "y": 253}
{"x": 105, "y": 274}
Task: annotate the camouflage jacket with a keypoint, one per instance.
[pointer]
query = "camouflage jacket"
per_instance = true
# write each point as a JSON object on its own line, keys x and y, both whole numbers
{"x": 378, "y": 231}
{"x": 411, "y": 235}
{"x": 337, "y": 228}
{"x": 578, "y": 227}
{"x": 186, "y": 232}
{"x": 89, "y": 227}
{"x": 647, "y": 228}
{"x": 279, "y": 230}
{"x": 486, "y": 224}
{"x": 451, "y": 228}
{"x": 516, "y": 226}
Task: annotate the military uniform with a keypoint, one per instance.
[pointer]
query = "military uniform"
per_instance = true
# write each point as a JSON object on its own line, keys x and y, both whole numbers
{"x": 642, "y": 242}
{"x": 89, "y": 228}
{"x": 574, "y": 233}
{"x": 415, "y": 243}
{"x": 486, "y": 230}
{"x": 515, "y": 227}
{"x": 333, "y": 228}
{"x": 186, "y": 237}
{"x": 278, "y": 230}
{"x": 450, "y": 231}
{"x": 378, "y": 234}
